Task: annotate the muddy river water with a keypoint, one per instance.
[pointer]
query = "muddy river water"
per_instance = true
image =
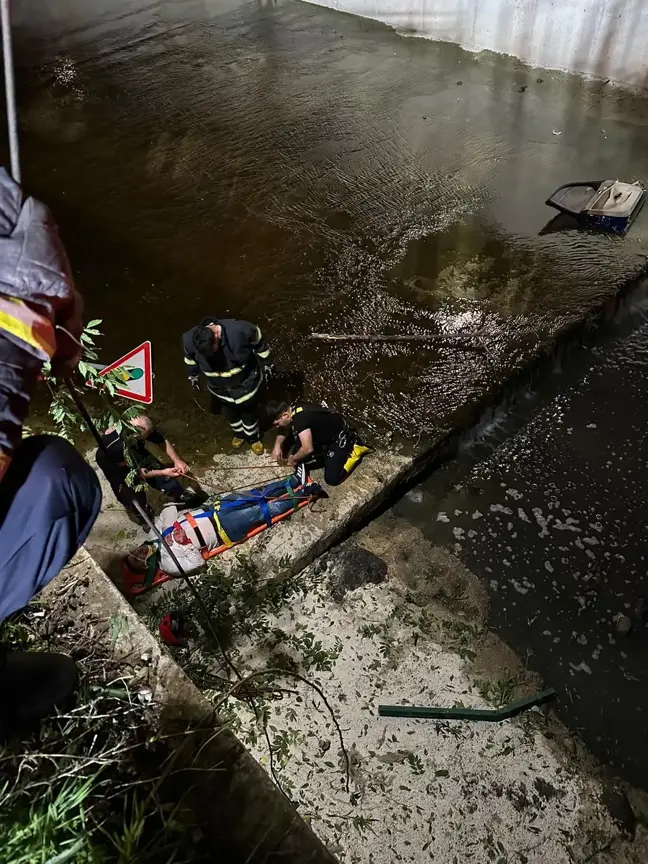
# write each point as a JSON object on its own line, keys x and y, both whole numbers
{"x": 548, "y": 508}
{"x": 314, "y": 172}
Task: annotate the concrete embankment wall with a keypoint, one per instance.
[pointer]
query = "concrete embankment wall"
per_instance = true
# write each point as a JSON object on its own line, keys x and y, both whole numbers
{"x": 603, "y": 38}
{"x": 242, "y": 814}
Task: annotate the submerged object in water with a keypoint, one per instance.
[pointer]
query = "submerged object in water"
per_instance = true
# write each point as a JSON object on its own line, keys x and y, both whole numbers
{"x": 605, "y": 205}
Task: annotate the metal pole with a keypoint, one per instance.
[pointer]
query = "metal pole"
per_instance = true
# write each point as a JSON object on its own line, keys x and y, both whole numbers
{"x": 95, "y": 434}
{"x": 10, "y": 89}
{"x": 490, "y": 714}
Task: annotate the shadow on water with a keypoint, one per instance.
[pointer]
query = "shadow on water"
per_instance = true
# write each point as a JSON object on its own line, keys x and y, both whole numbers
{"x": 562, "y": 222}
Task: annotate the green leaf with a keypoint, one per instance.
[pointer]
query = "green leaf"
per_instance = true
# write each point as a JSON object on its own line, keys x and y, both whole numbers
{"x": 94, "y": 323}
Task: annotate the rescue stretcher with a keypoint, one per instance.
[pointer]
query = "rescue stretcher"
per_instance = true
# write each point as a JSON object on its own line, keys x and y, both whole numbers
{"x": 239, "y": 517}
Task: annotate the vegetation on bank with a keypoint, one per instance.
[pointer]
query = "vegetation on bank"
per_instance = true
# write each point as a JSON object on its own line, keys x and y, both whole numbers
{"x": 84, "y": 787}
{"x": 99, "y": 394}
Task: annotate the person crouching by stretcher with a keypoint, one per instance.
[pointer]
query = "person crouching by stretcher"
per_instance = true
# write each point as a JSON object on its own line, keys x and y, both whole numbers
{"x": 194, "y": 536}
{"x": 315, "y": 433}
{"x": 127, "y": 449}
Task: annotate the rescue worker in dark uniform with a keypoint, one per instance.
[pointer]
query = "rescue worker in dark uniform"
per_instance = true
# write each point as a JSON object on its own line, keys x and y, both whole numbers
{"x": 122, "y": 453}
{"x": 49, "y": 496}
{"x": 233, "y": 356}
{"x": 316, "y": 433}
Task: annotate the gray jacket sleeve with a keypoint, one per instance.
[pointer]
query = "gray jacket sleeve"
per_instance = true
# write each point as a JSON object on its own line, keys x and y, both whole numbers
{"x": 34, "y": 266}
{"x": 35, "y": 271}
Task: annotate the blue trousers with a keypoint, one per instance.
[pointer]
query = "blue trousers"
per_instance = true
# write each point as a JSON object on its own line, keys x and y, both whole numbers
{"x": 49, "y": 500}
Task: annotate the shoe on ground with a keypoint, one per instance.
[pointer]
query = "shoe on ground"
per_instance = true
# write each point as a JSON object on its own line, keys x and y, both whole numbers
{"x": 360, "y": 450}
{"x": 237, "y": 443}
{"x": 366, "y": 448}
{"x": 33, "y": 685}
{"x": 257, "y": 448}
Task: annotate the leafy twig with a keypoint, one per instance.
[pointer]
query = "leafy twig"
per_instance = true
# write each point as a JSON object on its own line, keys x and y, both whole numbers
{"x": 264, "y": 672}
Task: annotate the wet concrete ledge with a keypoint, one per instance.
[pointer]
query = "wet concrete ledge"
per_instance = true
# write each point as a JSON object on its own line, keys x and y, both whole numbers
{"x": 386, "y": 475}
{"x": 553, "y": 35}
{"x": 240, "y": 810}
{"x": 382, "y": 477}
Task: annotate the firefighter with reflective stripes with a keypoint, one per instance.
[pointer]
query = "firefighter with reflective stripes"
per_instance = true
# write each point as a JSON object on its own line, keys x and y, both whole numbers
{"x": 234, "y": 358}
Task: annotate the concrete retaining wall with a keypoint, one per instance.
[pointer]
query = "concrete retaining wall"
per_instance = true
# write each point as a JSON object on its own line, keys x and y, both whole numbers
{"x": 603, "y": 38}
{"x": 241, "y": 812}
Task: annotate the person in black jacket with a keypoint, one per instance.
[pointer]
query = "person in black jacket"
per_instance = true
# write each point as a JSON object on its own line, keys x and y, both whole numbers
{"x": 122, "y": 452}
{"x": 233, "y": 356}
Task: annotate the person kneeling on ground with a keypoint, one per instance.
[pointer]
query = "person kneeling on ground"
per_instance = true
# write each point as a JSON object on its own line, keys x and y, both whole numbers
{"x": 220, "y": 523}
{"x": 123, "y": 451}
{"x": 319, "y": 434}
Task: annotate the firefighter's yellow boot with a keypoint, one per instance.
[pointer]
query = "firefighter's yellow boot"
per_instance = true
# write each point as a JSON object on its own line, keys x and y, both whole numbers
{"x": 359, "y": 450}
{"x": 237, "y": 442}
{"x": 257, "y": 448}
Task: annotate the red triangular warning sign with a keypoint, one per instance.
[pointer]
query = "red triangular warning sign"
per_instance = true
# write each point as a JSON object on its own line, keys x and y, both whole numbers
{"x": 137, "y": 370}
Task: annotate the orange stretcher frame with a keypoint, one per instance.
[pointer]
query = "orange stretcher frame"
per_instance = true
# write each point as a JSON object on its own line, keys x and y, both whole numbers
{"x": 134, "y": 583}
{"x": 259, "y": 529}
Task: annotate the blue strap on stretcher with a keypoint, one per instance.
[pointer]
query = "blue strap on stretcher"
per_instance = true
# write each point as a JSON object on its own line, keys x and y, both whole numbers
{"x": 254, "y": 496}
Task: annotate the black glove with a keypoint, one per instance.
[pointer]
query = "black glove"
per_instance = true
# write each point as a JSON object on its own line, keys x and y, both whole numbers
{"x": 195, "y": 382}
{"x": 268, "y": 371}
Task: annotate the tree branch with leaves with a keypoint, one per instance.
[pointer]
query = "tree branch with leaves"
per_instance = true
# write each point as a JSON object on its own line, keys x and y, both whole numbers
{"x": 99, "y": 392}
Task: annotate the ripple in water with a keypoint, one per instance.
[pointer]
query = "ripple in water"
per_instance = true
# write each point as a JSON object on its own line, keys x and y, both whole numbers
{"x": 248, "y": 160}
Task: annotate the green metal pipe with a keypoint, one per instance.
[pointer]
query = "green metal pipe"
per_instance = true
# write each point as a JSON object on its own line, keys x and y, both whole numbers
{"x": 490, "y": 714}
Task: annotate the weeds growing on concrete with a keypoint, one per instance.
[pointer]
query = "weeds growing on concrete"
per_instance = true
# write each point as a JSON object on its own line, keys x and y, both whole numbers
{"x": 85, "y": 788}
{"x": 242, "y": 602}
{"x": 500, "y": 692}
